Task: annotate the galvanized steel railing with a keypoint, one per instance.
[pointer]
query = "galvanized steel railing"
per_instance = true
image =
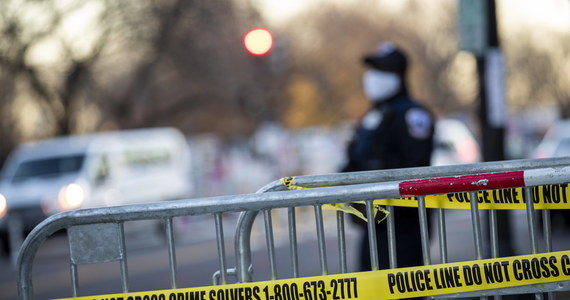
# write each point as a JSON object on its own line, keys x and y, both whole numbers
{"x": 91, "y": 224}
{"x": 245, "y": 223}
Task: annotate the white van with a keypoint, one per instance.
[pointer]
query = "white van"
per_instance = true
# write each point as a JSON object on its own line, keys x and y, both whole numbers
{"x": 82, "y": 171}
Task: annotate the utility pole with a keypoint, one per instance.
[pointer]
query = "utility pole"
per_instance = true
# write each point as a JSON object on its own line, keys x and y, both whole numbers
{"x": 492, "y": 113}
{"x": 479, "y": 35}
{"x": 490, "y": 66}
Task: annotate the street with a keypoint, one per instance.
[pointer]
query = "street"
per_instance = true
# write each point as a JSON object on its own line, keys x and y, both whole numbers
{"x": 197, "y": 257}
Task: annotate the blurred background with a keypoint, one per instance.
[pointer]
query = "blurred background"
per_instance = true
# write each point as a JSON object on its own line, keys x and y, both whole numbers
{"x": 85, "y": 66}
{"x": 71, "y": 67}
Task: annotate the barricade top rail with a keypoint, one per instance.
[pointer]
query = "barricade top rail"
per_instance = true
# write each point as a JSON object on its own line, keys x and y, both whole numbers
{"x": 336, "y": 188}
{"x": 323, "y": 180}
{"x": 364, "y": 189}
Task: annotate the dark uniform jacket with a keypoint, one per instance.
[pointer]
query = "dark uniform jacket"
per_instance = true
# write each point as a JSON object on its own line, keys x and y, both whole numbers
{"x": 396, "y": 133}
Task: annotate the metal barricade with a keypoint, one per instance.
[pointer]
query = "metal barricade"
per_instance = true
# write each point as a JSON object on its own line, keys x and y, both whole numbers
{"x": 243, "y": 248}
{"x": 88, "y": 227}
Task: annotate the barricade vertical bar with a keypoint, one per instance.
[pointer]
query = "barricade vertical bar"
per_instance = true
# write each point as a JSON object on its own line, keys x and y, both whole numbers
{"x": 531, "y": 226}
{"x": 124, "y": 272}
{"x": 341, "y": 241}
{"x": 73, "y": 272}
{"x": 242, "y": 245}
{"x": 74, "y": 280}
{"x": 494, "y": 238}
{"x": 547, "y": 229}
{"x": 392, "y": 253}
{"x": 171, "y": 252}
{"x": 372, "y": 235}
{"x": 531, "y": 220}
{"x": 293, "y": 241}
{"x": 494, "y": 233}
{"x": 547, "y": 239}
{"x": 321, "y": 239}
{"x": 269, "y": 240}
{"x": 442, "y": 234}
{"x": 424, "y": 230}
{"x": 476, "y": 226}
{"x": 547, "y": 232}
{"x": 221, "y": 246}
{"x": 477, "y": 234}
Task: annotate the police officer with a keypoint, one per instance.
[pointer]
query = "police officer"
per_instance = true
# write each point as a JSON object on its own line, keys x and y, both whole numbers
{"x": 396, "y": 132}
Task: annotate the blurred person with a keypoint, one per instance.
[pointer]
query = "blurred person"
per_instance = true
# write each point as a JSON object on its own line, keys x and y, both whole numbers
{"x": 396, "y": 132}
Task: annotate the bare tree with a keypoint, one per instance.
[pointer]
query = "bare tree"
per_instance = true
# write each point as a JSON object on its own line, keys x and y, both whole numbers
{"x": 190, "y": 72}
{"x": 539, "y": 75}
{"x": 139, "y": 63}
{"x": 54, "y": 90}
{"x": 180, "y": 63}
{"x": 330, "y": 40}
{"x": 7, "y": 122}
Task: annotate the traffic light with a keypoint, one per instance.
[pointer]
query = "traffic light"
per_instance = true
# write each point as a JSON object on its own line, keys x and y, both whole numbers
{"x": 258, "y": 41}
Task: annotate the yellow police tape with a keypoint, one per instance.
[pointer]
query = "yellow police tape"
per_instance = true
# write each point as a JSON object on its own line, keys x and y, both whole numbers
{"x": 424, "y": 281}
{"x": 555, "y": 196}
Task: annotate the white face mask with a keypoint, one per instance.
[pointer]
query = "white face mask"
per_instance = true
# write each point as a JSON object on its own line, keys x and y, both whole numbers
{"x": 379, "y": 86}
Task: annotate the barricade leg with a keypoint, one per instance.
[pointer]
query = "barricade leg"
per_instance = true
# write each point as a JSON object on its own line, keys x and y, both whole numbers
{"x": 171, "y": 252}
{"x": 424, "y": 230}
{"x": 293, "y": 241}
{"x": 341, "y": 241}
{"x": 321, "y": 239}
{"x": 442, "y": 234}
{"x": 270, "y": 241}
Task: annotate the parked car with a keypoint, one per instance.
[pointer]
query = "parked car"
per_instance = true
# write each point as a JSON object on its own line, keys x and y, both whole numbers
{"x": 45, "y": 177}
{"x": 556, "y": 141}
{"x": 454, "y": 144}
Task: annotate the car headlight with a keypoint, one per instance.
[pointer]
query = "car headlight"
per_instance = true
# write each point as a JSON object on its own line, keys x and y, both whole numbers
{"x": 3, "y": 206}
{"x": 70, "y": 197}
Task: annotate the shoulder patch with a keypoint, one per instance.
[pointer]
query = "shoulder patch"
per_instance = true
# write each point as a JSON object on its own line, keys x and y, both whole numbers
{"x": 419, "y": 123}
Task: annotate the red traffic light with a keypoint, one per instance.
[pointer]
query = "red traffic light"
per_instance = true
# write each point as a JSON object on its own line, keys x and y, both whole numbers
{"x": 258, "y": 41}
